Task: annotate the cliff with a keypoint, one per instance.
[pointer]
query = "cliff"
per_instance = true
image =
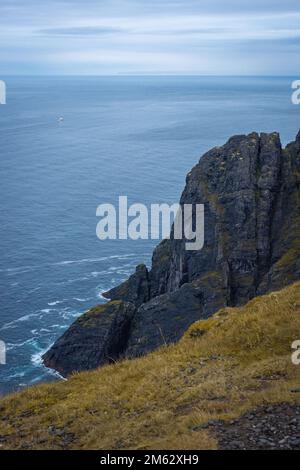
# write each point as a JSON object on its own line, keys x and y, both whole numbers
{"x": 228, "y": 383}
{"x": 250, "y": 188}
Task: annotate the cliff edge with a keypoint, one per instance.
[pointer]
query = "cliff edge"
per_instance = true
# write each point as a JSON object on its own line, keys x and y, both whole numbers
{"x": 250, "y": 188}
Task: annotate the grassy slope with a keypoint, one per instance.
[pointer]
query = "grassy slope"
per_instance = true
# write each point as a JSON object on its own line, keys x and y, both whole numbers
{"x": 223, "y": 366}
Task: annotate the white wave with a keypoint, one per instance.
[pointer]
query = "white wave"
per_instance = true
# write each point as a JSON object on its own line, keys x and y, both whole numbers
{"x": 36, "y": 360}
{"x": 39, "y": 314}
{"x": 96, "y": 273}
{"x": 93, "y": 260}
{"x": 18, "y": 271}
{"x": 71, "y": 281}
{"x": 58, "y": 327}
{"x": 21, "y": 269}
{"x": 17, "y": 375}
{"x": 56, "y": 302}
{"x": 100, "y": 296}
{"x": 21, "y": 319}
{"x": 11, "y": 346}
{"x": 70, "y": 315}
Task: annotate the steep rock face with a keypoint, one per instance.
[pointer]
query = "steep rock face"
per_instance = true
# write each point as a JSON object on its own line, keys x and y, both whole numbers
{"x": 285, "y": 224}
{"x": 238, "y": 184}
{"x": 135, "y": 289}
{"x": 250, "y": 188}
{"x": 96, "y": 338}
{"x": 165, "y": 318}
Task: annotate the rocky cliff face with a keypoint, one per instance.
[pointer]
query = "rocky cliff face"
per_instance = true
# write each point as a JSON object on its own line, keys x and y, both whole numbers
{"x": 250, "y": 188}
{"x": 97, "y": 337}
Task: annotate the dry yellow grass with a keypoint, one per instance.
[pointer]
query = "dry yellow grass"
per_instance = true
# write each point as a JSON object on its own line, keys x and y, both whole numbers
{"x": 238, "y": 359}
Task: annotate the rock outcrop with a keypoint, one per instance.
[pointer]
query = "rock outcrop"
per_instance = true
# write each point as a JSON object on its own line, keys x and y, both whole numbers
{"x": 250, "y": 188}
{"x": 96, "y": 338}
{"x": 136, "y": 289}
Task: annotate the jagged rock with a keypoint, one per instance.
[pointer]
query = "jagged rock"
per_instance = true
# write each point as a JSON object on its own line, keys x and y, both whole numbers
{"x": 285, "y": 229}
{"x": 251, "y": 191}
{"x": 250, "y": 188}
{"x": 237, "y": 183}
{"x": 136, "y": 289}
{"x": 165, "y": 318}
{"x": 96, "y": 338}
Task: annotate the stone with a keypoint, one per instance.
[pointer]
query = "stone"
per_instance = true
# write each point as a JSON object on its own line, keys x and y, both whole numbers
{"x": 96, "y": 338}
{"x": 136, "y": 289}
{"x": 164, "y": 319}
{"x": 250, "y": 188}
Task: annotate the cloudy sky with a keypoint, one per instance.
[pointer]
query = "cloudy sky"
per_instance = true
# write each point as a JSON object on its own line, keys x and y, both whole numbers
{"x": 223, "y": 37}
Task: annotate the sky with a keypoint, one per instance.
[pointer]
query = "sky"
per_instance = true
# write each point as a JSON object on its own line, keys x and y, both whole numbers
{"x": 105, "y": 37}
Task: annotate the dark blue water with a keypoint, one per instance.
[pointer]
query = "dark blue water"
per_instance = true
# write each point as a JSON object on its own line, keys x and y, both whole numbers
{"x": 134, "y": 136}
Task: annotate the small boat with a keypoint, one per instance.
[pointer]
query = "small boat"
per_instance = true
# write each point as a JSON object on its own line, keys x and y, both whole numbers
{"x": 60, "y": 119}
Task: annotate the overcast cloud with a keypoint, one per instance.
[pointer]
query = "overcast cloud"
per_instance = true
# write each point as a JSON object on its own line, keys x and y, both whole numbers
{"x": 150, "y": 36}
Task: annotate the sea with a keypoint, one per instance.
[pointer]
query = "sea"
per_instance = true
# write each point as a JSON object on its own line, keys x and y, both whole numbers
{"x": 136, "y": 136}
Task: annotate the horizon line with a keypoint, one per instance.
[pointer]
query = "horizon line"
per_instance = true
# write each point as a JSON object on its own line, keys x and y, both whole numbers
{"x": 150, "y": 75}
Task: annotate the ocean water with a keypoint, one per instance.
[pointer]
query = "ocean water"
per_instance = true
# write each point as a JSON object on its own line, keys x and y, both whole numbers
{"x": 134, "y": 136}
